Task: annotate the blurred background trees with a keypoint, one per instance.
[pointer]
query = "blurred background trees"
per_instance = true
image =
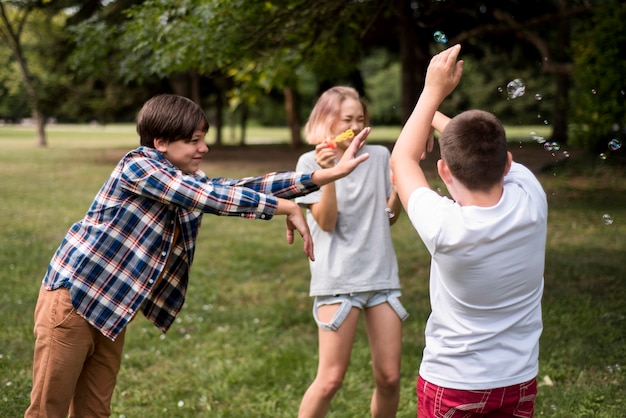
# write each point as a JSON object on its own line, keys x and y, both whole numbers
{"x": 265, "y": 62}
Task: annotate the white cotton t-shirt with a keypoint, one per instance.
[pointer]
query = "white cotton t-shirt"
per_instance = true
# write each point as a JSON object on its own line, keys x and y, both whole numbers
{"x": 486, "y": 284}
{"x": 358, "y": 256}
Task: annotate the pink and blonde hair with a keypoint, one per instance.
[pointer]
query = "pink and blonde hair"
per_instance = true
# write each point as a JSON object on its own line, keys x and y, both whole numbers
{"x": 326, "y": 113}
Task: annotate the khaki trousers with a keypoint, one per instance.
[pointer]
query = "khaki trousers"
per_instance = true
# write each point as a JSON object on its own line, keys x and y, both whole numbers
{"x": 74, "y": 365}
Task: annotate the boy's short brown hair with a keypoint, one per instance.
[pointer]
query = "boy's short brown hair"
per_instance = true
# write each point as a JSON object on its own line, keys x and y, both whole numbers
{"x": 473, "y": 145}
{"x": 169, "y": 117}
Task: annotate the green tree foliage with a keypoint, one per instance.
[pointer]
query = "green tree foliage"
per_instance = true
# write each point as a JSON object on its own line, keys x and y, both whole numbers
{"x": 600, "y": 93}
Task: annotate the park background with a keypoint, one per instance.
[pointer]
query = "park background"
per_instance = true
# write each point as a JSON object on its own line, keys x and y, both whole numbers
{"x": 73, "y": 75}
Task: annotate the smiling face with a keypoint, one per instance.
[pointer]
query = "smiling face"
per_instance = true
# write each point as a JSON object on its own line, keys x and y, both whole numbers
{"x": 186, "y": 154}
{"x": 351, "y": 116}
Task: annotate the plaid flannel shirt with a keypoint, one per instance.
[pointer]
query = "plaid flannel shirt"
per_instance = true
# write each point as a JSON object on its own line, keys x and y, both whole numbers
{"x": 112, "y": 259}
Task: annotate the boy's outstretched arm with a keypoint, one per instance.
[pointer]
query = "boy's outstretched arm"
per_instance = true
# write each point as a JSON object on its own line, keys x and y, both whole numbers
{"x": 443, "y": 74}
{"x": 349, "y": 161}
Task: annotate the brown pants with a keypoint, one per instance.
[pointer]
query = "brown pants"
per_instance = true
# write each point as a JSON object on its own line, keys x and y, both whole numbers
{"x": 74, "y": 366}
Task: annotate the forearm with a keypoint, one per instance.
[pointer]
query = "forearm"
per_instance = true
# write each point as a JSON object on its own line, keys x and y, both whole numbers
{"x": 395, "y": 206}
{"x": 328, "y": 175}
{"x": 440, "y": 121}
{"x": 411, "y": 144}
{"x": 325, "y": 211}
{"x": 286, "y": 207}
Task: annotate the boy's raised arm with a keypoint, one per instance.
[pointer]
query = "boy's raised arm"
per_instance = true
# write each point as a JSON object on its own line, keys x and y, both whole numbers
{"x": 442, "y": 76}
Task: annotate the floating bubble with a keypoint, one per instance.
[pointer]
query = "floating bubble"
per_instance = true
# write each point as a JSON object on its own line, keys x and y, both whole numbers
{"x": 440, "y": 37}
{"x": 555, "y": 146}
{"x": 615, "y": 144}
{"x": 500, "y": 89}
{"x": 565, "y": 154}
{"x": 538, "y": 138}
{"x": 538, "y": 97}
{"x": 593, "y": 91}
{"x": 516, "y": 88}
{"x": 547, "y": 146}
{"x": 607, "y": 219}
{"x": 602, "y": 156}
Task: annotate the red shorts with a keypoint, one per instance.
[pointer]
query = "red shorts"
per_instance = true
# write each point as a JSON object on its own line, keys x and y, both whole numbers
{"x": 512, "y": 401}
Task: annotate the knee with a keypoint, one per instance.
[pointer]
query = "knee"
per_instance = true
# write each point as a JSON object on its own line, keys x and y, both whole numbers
{"x": 329, "y": 385}
{"x": 388, "y": 382}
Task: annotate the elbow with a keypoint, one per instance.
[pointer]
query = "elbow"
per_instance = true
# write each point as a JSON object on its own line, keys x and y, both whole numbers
{"x": 393, "y": 164}
{"x": 327, "y": 227}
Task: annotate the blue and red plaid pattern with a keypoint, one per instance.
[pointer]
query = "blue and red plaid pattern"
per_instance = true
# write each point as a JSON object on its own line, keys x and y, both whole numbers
{"x": 112, "y": 258}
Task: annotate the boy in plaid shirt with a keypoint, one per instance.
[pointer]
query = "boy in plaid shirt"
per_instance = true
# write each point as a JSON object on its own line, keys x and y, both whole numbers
{"x": 133, "y": 250}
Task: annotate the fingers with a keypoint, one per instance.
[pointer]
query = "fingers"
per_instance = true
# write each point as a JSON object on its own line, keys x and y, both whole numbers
{"x": 308, "y": 247}
{"x": 325, "y": 156}
{"x": 296, "y": 222}
{"x": 359, "y": 140}
{"x": 452, "y": 53}
{"x": 290, "y": 235}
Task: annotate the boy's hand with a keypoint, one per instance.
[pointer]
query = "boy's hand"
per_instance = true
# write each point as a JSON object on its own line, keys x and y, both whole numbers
{"x": 348, "y": 162}
{"x": 295, "y": 222}
{"x": 444, "y": 72}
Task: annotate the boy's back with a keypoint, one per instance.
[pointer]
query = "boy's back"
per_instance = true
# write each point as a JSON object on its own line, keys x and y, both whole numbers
{"x": 486, "y": 284}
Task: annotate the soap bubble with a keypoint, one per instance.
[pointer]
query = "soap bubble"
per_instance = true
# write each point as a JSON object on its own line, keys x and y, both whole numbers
{"x": 547, "y": 146}
{"x": 615, "y": 144}
{"x": 538, "y": 97}
{"x": 555, "y": 146}
{"x": 607, "y": 219}
{"x": 602, "y": 156}
{"x": 440, "y": 37}
{"x": 538, "y": 138}
{"x": 516, "y": 88}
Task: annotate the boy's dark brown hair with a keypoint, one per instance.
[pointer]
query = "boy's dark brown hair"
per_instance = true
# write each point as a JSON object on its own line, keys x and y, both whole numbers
{"x": 169, "y": 117}
{"x": 473, "y": 145}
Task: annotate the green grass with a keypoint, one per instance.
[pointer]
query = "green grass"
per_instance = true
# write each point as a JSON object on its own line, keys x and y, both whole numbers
{"x": 245, "y": 343}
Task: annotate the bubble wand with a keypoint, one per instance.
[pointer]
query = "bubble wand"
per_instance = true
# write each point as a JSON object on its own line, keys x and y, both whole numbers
{"x": 332, "y": 142}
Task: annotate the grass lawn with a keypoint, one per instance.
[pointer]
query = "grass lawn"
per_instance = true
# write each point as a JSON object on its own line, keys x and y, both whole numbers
{"x": 245, "y": 344}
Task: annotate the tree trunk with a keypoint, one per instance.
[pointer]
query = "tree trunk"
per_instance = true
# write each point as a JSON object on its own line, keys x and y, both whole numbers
{"x": 40, "y": 123}
{"x": 219, "y": 115}
{"x": 243, "y": 123}
{"x": 559, "y": 117}
{"x": 560, "y": 112}
{"x": 414, "y": 57}
{"x": 292, "y": 110}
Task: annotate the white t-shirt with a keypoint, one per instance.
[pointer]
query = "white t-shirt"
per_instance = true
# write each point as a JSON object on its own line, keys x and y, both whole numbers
{"x": 486, "y": 284}
{"x": 358, "y": 256}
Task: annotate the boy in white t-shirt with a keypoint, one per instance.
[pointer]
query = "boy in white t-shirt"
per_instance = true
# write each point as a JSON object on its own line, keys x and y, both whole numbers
{"x": 488, "y": 250}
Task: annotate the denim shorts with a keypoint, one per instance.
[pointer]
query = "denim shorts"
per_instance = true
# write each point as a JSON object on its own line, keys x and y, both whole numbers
{"x": 360, "y": 300}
